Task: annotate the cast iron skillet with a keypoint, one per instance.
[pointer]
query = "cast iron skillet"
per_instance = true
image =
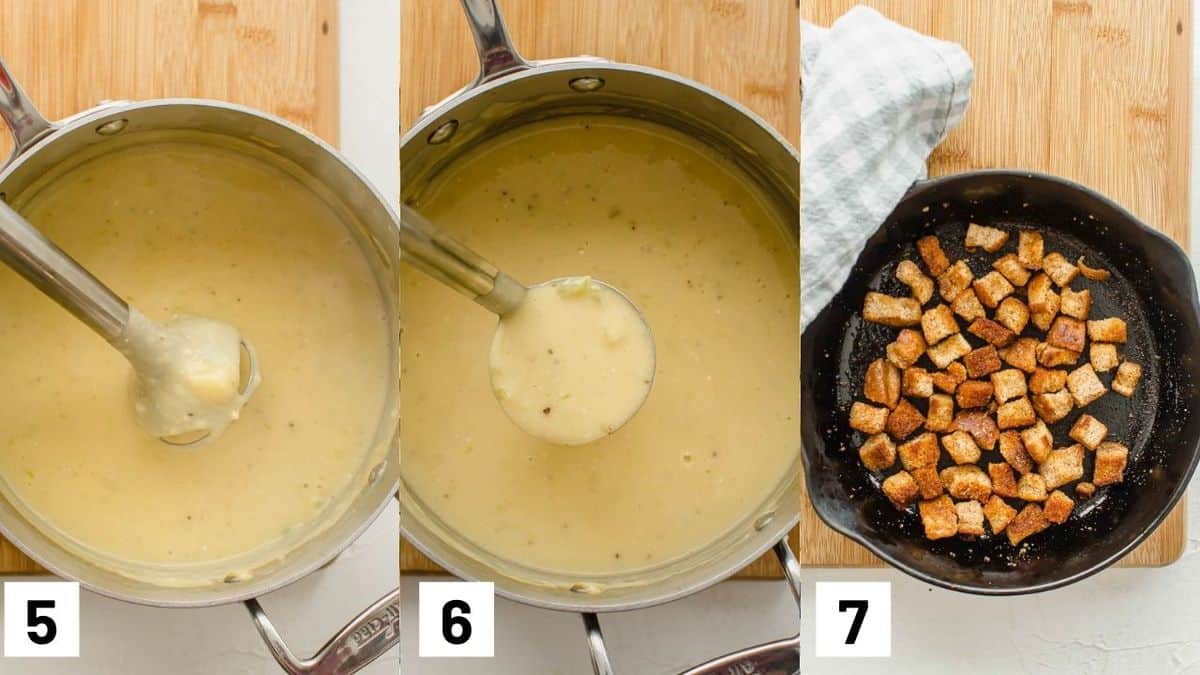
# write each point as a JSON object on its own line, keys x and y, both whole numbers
{"x": 1152, "y": 288}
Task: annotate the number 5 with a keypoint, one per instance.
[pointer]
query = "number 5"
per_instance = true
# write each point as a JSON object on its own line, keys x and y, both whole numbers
{"x": 860, "y": 613}
{"x": 449, "y": 621}
{"x": 33, "y": 620}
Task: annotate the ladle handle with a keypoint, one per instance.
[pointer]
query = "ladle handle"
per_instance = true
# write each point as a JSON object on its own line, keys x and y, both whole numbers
{"x": 497, "y": 54}
{"x": 33, "y": 256}
{"x": 22, "y": 117}
{"x": 439, "y": 255}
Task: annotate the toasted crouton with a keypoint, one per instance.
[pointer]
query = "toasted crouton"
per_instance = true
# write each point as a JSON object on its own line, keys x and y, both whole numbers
{"x": 1039, "y": 292}
{"x": 1003, "y": 482}
{"x": 1093, "y": 273}
{"x": 1031, "y": 488}
{"x": 867, "y": 418}
{"x": 1067, "y": 333}
{"x": 1058, "y": 507}
{"x": 1085, "y": 490}
{"x": 1012, "y": 314}
{"x": 1063, "y": 466}
{"x": 998, "y": 513}
{"x": 1012, "y": 449}
{"x": 1027, "y": 523}
{"x": 1012, "y": 269}
{"x": 1104, "y": 356}
{"x": 992, "y": 288}
{"x": 1045, "y": 381}
{"x": 910, "y": 275}
{"x": 970, "y": 519}
{"x": 929, "y": 483}
{"x": 1008, "y": 384}
{"x": 1084, "y": 385}
{"x": 1015, "y": 414}
{"x": 973, "y": 394}
{"x": 948, "y": 380}
{"x": 940, "y": 414}
{"x": 908, "y": 346}
{"x": 967, "y": 305}
{"x": 961, "y": 447}
{"x": 890, "y": 311}
{"x": 1110, "y": 463}
{"x": 939, "y": 517}
{"x": 989, "y": 238}
{"x": 882, "y": 383}
{"x": 877, "y": 452}
{"x": 1054, "y": 406}
{"x": 1038, "y": 441}
{"x": 992, "y": 332}
{"x": 920, "y": 452}
{"x": 982, "y": 362}
{"x": 980, "y": 425}
{"x": 937, "y": 323}
{"x": 1050, "y": 356}
{"x": 1059, "y": 269}
{"x": 1029, "y": 249}
{"x": 1075, "y": 304}
{"x": 1107, "y": 330}
{"x": 967, "y": 481}
{"x": 1043, "y": 318}
{"x": 931, "y": 253}
{"x": 954, "y": 280}
{"x": 1089, "y": 431}
{"x": 900, "y": 489}
{"x": 948, "y": 350}
{"x": 917, "y": 382}
{"x": 1021, "y": 354}
{"x": 903, "y": 420}
{"x": 1126, "y": 379}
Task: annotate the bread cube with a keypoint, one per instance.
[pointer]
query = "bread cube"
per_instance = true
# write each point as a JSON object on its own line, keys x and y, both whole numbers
{"x": 890, "y": 311}
{"x": 989, "y": 238}
{"x": 930, "y": 250}
{"x": 1012, "y": 269}
{"x": 904, "y": 420}
{"x": 1053, "y": 407}
{"x": 967, "y": 481}
{"x": 1089, "y": 431}
{"x": 1029, "y": 249}
{"x": 941, "y": 413}
{"x": 1103, "y": 356}
{"x": 877, "y": 452}
{"x": 1111, "y": 459}
{"x": 1040, "y": 292}
{"x": 961, "y": 447}
{"x": 992, "y": 288}
{"x": 867, "y": 418}
{"x": 991, "y": 332}
{"x": 948, "y": 380}
{"x": 1075, "y": 304}
{"x": 970, "y": 519}
{"x": 882, "y": 383}
{"x": 1015, "y": 414}
{"x": 1012, "y": 449}
{"x": 967, "y": 305}
{"x": 1045, "y": 381}
{"x": 1059, "y": 269}
{"x": 1038, "y": 441}
{"x": 1043, "y": 318}
{"x": 1067, "y": 333}
{"x": 982, "y": 362}
{"x": 1063, "y": 466}
{"x": 1008, "y": 384}
{"x": 937, "y": 323}
{"x": 1021, "y": 354}
{"x": 998, "y": 513}
{"x": 929, "y": 483}
{"x": 948, "y": 350}
{"x": 1058, "y": 507}
{"x": 1003, "y": 481}
{"x": 917, "y": 383}
{"x": 920, "y": 452}
{"x": 980, "y": 425}
{"x": 1031, "y": 488}
{"x": 900, "y": 489}
{"x": 1027, "y": 523}
{"x": 1084, "y": 385}
{"x": 1093, "y": 273}
{"x": 1111, "y": 329}
{"x": 955, "y": 280}
{"x": 906, "y": 349}
{"x": 974, "y": 394}
{"x": 1050, "y": 356}
{"x": 1085, "y": 490}
{"x": 939, "y": 517}
{"x": 910, "y": 275}
{"x": 1012, "y": 314}
{"x": 1126, "y": 379}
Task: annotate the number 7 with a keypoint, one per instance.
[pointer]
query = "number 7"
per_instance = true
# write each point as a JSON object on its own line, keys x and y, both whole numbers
{"x": 860, "y": 613}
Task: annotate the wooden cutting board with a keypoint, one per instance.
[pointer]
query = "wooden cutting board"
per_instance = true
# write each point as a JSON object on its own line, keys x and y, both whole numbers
{"x": 277, "y": 55}
{"x": 747, "y": 49}
{"x": 1097, "y": 91}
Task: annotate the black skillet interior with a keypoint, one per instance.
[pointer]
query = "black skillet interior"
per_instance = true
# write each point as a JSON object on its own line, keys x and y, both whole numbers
{"x": 1152, "y": 288}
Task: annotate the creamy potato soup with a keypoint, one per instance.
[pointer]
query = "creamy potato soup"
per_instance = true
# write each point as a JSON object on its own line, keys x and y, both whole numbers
{"x": 714, "y": 270}
{"x": 187, "y": 229}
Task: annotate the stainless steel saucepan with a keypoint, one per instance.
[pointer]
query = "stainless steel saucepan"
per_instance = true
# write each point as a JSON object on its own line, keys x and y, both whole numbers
{"x": 511, "y": 92}
{"x": 45, "y": 148}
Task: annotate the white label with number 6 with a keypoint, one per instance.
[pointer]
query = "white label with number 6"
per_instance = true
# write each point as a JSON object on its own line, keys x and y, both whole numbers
{"x": 41, "y": 618}
{"x": 455, "y": 618}
{"x": 853, "y": 618}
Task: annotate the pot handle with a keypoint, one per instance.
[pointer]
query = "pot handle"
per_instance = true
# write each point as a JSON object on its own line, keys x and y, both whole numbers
{"x": 364, "y": 639}
{"x": 27, "y": 125}
{"x": 601, "y": 665}
{"x": 497, "y": 54}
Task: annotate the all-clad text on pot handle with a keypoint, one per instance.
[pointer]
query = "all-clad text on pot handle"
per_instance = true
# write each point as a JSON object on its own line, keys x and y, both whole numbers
{"x": 367, "y": 637}
{"x": 497, "y": 54}
{"x": 599, "y": 652}
{"x": 28, "y": 125}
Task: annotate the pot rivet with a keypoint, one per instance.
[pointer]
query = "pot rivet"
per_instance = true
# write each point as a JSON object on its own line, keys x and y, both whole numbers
{"x": 112, "y": 127}
{"x": 443, "y": 133}
{"x": 764, "y": 520}
{"x": 584, "y": 587}
{"x": 376, "y": 473}
{"x": 586, "y": 84}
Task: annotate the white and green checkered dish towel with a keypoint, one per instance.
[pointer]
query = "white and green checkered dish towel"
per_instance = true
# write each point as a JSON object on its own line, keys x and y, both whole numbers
{"x": 877, "y": 98}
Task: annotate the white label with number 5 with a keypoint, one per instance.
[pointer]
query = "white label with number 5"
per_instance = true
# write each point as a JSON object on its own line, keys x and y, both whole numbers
{"x": 853, "y": 618}
{"x": 41, "y": 618}
{"x": 455, "y": 618}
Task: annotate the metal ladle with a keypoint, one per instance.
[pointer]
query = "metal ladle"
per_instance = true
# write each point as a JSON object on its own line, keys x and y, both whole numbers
{"x": 28, "y": 252}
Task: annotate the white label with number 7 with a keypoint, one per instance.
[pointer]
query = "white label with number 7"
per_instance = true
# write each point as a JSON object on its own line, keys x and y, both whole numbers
{"x": 853, "y": 619}
{"x": 455, "y": 618}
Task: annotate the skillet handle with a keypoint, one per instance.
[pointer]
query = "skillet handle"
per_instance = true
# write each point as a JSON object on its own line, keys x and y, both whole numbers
{"x": 367, "y": 637}
{"x": 497, "y": 54}
{"x": 27, "y": 125}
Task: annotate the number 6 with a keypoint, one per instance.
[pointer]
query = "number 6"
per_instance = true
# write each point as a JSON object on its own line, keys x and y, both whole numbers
{"x": 449, "y": 621}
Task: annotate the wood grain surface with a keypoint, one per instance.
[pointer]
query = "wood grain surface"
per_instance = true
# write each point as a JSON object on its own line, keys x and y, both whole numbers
{"x": 746, "y": 49}
{"x": 1097, "y": 91}
{"x": 277, "y": 55}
